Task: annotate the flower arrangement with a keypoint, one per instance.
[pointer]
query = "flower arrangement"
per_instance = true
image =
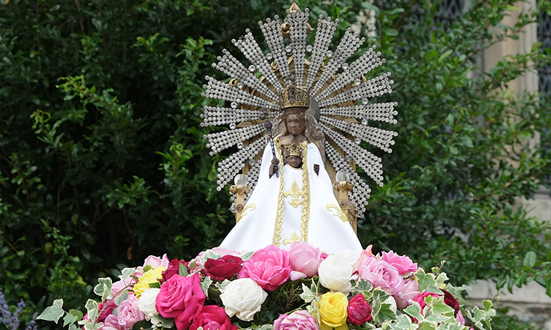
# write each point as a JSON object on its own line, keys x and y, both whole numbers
{"x": 272, "y": 288}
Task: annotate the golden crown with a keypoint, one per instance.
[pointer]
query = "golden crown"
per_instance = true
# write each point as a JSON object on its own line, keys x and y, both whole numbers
{"x": 294, "y": 96}
{"x": 293, "y": 150}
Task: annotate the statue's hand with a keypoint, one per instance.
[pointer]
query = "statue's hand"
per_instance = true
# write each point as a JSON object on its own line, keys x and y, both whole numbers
{"x": 274, "y": 167}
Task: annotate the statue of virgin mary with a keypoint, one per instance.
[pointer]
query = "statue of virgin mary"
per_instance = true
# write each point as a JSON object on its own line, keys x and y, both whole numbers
{"x": 293, "y": 197}
{"x": 297, "y": 203}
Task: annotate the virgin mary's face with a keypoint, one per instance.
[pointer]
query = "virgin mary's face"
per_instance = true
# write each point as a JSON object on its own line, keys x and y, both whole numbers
{"x": 295, "y": 124}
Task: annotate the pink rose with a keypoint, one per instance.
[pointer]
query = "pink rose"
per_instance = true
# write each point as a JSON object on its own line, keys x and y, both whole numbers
{"x": 269, "y": 267}
{"x": 366, "y": 254}
{"x": 111, "y": 323}
{"x": 402, "y": 263}
{"x": 213, "y": 318}
{"x": 121, "y": 285}
{"x": 156, "y": 261}
{"x": 298, "y": 320}
{"x": 305, "y": 260}
{"x": 410, "y": 291}
{"x": 129, "y": 313}
{"x": 359, "y": 310}
{"x": 381, "y": 274}
{"x": 182, "y": 299}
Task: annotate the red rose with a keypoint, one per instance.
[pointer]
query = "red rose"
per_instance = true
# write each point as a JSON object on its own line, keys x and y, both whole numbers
{"x": 182, "y": 299}
{"x": 172, "y": 269}
{"x": 213, "y": 318}
{"x": 450, "y": 300}
{"x": 359, "y": 310}
{"x": 223, "y": 268}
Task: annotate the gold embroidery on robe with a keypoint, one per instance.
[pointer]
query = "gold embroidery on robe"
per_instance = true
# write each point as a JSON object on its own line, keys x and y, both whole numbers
{"x": 249, "y": 207}
{"x": 336, "y": 211}
{"x": 294, "y": 238}
{"x": 295, "y": 193}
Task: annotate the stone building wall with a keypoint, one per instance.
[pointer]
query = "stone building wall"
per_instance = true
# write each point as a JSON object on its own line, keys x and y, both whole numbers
{"x": 529, "y": 303}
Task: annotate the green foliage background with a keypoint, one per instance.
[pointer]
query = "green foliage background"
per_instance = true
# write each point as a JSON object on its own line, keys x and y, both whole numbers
{"x": 102, "y": 160}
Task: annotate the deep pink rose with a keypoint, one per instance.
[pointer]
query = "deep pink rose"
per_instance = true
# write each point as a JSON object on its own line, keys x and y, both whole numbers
{"x": 128, "y": 313}
{"x": 213, "y": 318}
{"x": 172, "y": 269}
{"x": 449, "y": 300}
{"x": 421, "y": 298}
{"x": 182, "y": 299}
{"x": 402, "y": 263}
{"x": 298, "y": 320}
{"x": 223, "y": 268}
{"x": 410, "y": 291}
{"x": 381, "y": 274}
{"x": 359, "y": 310}
{"x": 269, "y": 267}
{"x": 305, "y": 260}
{"x": 111, "y": 323}
{"x": 107, "y": 311}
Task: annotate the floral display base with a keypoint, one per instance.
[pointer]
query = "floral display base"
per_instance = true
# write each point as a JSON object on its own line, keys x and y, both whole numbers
{"x": 273, "y": 288}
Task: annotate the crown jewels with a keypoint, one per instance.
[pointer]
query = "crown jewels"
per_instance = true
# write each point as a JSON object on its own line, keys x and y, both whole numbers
{"x": 294, "y": 96}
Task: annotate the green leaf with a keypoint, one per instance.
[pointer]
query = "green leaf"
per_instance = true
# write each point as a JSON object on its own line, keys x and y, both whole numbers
{"x": 52, "y": 313}
{"x": 182, "y": 270}
{"x": 369, "y": 6}
{"x": 92, "y": 309}
{"x": 103, "y": 288}
{"x": 487, "y": 305}
{"x": 205, "y": 284}
{"x": 307, "y": 295}
{"x": 390, "y": 32}
{"x": 69, "y": 318}
{"x": 529, "y": 259}
{"x": 127, "y": 272}
{"x": 444, "y": 56}
{"x": 121, "y": 297}
{"x": 414, "y": 310}
{"x": 76, "y": 313}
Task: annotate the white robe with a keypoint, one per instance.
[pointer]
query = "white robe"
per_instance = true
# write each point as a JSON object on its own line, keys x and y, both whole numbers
{"x": 317, "y": 217}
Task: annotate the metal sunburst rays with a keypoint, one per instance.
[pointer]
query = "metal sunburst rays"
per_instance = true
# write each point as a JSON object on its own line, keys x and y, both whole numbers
{"x": 340, "y": 89}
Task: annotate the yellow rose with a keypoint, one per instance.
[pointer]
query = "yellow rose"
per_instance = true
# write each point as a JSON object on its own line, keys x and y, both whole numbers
{"x": 151, "y": 276}
{"x": 333, "y": 311}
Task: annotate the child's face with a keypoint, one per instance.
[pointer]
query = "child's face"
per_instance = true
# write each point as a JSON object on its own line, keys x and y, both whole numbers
{"x": 294, "y": 161}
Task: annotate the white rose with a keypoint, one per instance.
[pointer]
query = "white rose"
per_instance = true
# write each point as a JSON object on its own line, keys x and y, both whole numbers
{"x": 350, "y": 257}
{"x": 243, "y": 298}
{"x": 335, "y": 273}
{"x": 146, "y": 304}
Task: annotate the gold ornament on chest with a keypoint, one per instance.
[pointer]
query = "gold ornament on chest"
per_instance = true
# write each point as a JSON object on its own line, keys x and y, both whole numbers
{"x": 295, "y": 193}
